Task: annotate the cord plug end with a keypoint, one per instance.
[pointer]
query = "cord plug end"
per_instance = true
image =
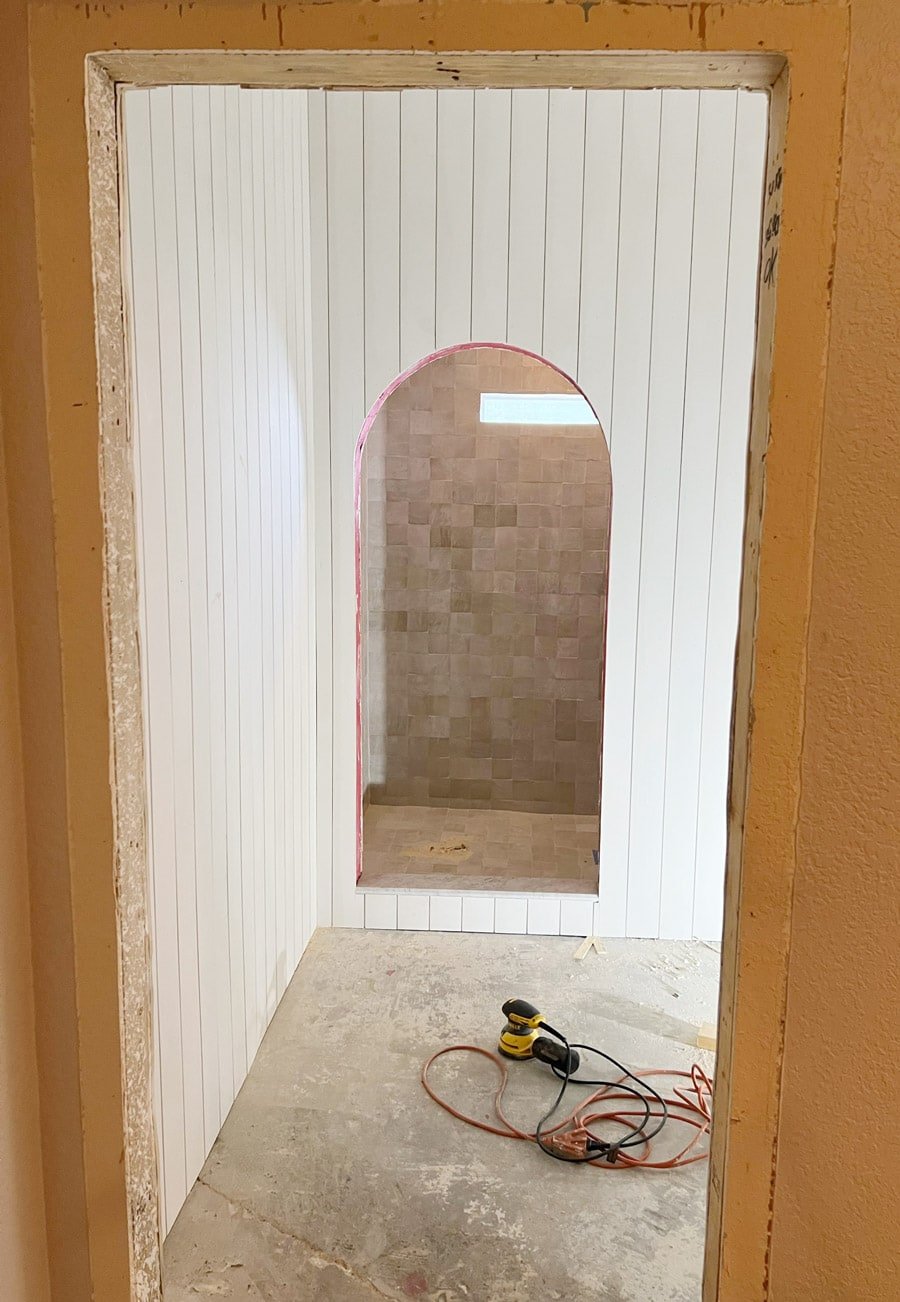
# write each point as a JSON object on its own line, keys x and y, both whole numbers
{"x": 570, "y": 1145}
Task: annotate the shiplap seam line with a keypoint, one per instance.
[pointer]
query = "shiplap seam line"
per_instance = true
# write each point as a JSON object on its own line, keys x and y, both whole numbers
{"x": 577, "y": 370}
{"x": 697, "y": 848}
{"x": 643, "y": 504}
{"x": 680, "y": 470}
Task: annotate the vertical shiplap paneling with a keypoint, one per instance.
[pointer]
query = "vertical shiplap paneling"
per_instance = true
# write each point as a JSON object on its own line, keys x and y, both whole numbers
{"x": 490, "y": 219}
{"x": 346, "y": 320}
{"x": 706, "y": 332}
{"x": 225, "y": 140}
{"x": 217, "y": 365}
{"x": 251, "y": 611}
{"x": 527, "y": 218}
{"x": 604, "y": 117}
{"x": 562, "y": 221}
{"x": 292, "y": 691}
{"x": 281, "y": 469}
{"x": 627, "y": 436}
{"x": 296, "y": 681}
{"x": 728, "y": 510}
{"x": 454, "y": 221}
{"x": 184, "y": 109}
{"x": 601, "y": 208}
{"x": 597, "y": 324}
{"x": 565, "y": 206}
{"x": 262, "y": 523}
{"x": 381, "y": 220}
{"x": 246, "y": 441}
{"x": 213, "y": 346}
{"x": 659, "y": 517}
{"x": 317, "y": 321}
{"x": 307, "y": 813}
{"x": 150, "y": 504}
{"x": 418, "y": 194}
{"x": 178, "y": 597}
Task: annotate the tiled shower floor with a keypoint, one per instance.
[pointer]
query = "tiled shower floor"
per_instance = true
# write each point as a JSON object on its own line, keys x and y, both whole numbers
{"x": 413, "y": 847}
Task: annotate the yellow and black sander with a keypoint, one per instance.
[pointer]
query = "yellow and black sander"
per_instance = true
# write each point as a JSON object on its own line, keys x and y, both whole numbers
{"x": 520, "y": 1038}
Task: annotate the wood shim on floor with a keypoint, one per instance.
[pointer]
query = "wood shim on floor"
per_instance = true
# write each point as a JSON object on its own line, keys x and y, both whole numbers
{"x": 706, "y": 1036}
{"x": 586, "y": 945}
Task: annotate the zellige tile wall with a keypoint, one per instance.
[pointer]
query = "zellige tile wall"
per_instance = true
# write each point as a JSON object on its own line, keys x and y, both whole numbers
{"x": 484, "y": 575}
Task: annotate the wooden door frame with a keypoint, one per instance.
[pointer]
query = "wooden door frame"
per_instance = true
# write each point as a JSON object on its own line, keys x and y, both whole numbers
{"x": 772, "y": 568}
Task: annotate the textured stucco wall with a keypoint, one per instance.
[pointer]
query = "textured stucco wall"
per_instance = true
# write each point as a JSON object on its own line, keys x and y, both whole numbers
{"x": 837, "y": 1188}
{"x": 38, "y": 663}
{"x": 835, "y": 1194}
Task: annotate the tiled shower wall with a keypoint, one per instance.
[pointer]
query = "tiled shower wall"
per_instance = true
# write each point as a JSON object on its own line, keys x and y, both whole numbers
{"x": 484, "y": 561}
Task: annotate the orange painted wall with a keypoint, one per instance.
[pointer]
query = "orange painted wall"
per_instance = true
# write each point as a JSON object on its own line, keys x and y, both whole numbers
{"x": 835, "y": 1195}
{"x": 23, "y": 1246}
{"x": 34, "y": 639}
{"x": 837, "y": 1190}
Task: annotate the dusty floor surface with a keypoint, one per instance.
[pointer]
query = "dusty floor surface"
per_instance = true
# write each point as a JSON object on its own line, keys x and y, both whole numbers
{"x": 335, "y": 1177}
{"x": 422, "y": 846}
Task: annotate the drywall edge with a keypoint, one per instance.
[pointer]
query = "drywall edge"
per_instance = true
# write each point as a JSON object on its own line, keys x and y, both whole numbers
{"x": 120, "y": 600}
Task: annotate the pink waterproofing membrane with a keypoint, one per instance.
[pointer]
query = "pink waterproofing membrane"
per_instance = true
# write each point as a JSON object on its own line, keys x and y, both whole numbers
{"x": 357, "y": 487}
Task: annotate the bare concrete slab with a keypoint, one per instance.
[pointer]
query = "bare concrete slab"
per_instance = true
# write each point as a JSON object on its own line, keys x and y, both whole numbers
{"x": 336, "y": 1178}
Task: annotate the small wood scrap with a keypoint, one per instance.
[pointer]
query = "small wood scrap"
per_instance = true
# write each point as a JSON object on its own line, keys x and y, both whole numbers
{"x": 706, "y": 1037}
{"x": 453, "y": 851}
{"x": 589, "y": 943}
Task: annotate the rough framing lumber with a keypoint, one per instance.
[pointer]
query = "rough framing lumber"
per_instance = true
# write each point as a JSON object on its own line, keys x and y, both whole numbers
{"x": 371, "y": 69}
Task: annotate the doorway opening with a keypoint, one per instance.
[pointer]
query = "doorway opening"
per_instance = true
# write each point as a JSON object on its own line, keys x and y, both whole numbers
{"x": 288, "y": 384}
{"x": 483, "y": 516}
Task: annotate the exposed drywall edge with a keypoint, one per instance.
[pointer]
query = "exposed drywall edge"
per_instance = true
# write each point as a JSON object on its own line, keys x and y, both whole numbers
{"x": 124, "y": 680}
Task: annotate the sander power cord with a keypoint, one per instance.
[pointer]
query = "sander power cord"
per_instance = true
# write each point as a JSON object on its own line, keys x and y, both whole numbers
{"x": 687, "y": 1102}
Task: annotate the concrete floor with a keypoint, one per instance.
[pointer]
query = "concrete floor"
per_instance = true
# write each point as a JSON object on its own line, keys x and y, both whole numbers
{"x": 336, "y": 1179}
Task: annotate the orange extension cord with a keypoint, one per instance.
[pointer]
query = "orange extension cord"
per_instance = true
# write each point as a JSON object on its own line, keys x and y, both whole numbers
{"x": 691, "y": 1106}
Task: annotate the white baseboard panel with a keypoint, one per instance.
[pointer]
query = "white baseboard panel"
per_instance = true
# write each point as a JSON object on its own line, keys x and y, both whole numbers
{"x": 473, "y": 911}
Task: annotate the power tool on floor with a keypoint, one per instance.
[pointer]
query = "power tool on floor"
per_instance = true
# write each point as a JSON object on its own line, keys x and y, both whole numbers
{"x": 520, "y": 1038}
{"x": 635, "y": 1110}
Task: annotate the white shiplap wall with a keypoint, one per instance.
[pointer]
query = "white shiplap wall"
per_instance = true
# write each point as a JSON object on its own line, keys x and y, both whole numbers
{"x": 215, "y": 284}
{"x": 617, "y": 234}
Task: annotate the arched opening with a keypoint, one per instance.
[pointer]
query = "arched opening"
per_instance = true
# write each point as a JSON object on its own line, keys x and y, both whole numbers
{"x": 483, "y": 494}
